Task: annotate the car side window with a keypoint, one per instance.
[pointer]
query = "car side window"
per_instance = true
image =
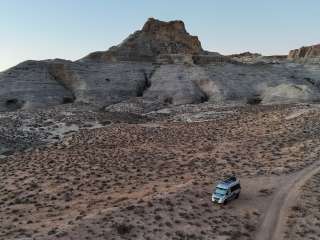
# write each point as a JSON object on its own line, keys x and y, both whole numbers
{"x": 234, "y": 188}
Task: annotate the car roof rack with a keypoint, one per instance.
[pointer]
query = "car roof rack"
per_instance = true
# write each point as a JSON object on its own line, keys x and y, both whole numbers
{"x": 230, "y": 180}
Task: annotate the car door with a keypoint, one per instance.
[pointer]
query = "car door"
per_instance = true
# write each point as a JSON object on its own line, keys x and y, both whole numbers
{"x": 232, "y": 192}
{"x": 229, "y": 195}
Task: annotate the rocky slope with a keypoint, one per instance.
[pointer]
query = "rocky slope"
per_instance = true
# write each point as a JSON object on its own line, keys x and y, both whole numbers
{"x": 162, "y": 63}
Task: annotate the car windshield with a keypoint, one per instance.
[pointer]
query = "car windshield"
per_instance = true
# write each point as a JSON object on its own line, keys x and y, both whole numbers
{"x": 221, "y": 191}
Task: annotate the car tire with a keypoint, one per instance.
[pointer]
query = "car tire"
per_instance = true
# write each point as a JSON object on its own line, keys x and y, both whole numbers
{"x": 237, "y": 196}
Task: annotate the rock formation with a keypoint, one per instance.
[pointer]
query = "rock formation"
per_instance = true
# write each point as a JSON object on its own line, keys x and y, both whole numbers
{"x": 246, "y": 57}
{"x": 161, "y": 64}
{"x": 290, "y": 93}
{"x": 30, "y": 85}
{"x": 305, "y": 52}
{"x": 155, "y": 38}
{"x": 177, "y": 85}
{"x": 102, "y": 83}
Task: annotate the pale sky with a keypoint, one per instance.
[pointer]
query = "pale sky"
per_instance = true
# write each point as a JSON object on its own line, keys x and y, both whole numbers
{"x": 70, "y": 29}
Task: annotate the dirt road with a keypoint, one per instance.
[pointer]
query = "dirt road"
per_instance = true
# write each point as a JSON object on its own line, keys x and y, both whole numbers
{"x": 273, "y": 224}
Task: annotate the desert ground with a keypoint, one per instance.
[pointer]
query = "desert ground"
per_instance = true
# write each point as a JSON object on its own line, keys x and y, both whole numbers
{"x": 80, "y": 174}
{"x": 304, "y": 218}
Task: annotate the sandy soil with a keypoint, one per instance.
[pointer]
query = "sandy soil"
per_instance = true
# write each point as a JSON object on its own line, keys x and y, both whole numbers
{"x": 154, "y": 180}
{"x": 303, "y": 221}
{"x": 274, "y": 219}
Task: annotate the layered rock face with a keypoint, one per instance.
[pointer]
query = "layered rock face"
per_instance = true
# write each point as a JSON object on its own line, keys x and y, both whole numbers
{"x": 305, "y": 52}
{"x": 155, "y": 38}
{"x": 250, "y": 83}
{"x": 102, "y": 83}
{"x": 36, "y": 84}
{"x": 30, "y": 85}
{"x": 246, "y": 57}
{"x": 160, "y": 65}
{"x": 177, "y": 85}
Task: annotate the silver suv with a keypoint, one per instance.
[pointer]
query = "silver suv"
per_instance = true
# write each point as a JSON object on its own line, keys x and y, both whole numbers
{"x": 227, "y": 190}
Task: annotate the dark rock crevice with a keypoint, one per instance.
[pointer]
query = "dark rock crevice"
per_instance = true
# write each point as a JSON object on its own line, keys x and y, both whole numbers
{"x": 254, "y": 100}
{"x": 146, "y": 81}
{"x": 202, "y": 96}
{"x": 145, "y": 85}
{"x": 68, "y": 100}
{"x": 313, "y": 82}
{"x": 65, "y": 77}
{"x": 62, "y": 75}
{"x": 14, "y": 104}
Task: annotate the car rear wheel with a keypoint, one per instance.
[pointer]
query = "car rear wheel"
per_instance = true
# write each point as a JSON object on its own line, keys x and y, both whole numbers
{"x": 237, "y": 196}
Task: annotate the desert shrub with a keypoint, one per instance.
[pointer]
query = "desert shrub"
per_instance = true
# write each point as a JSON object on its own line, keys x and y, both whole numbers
{"x": 296, "y": 208}
{"x": 123, "y": 228}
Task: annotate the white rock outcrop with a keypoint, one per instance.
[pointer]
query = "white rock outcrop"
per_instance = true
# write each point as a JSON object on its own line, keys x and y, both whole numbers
{"x": 165, "y": 65}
